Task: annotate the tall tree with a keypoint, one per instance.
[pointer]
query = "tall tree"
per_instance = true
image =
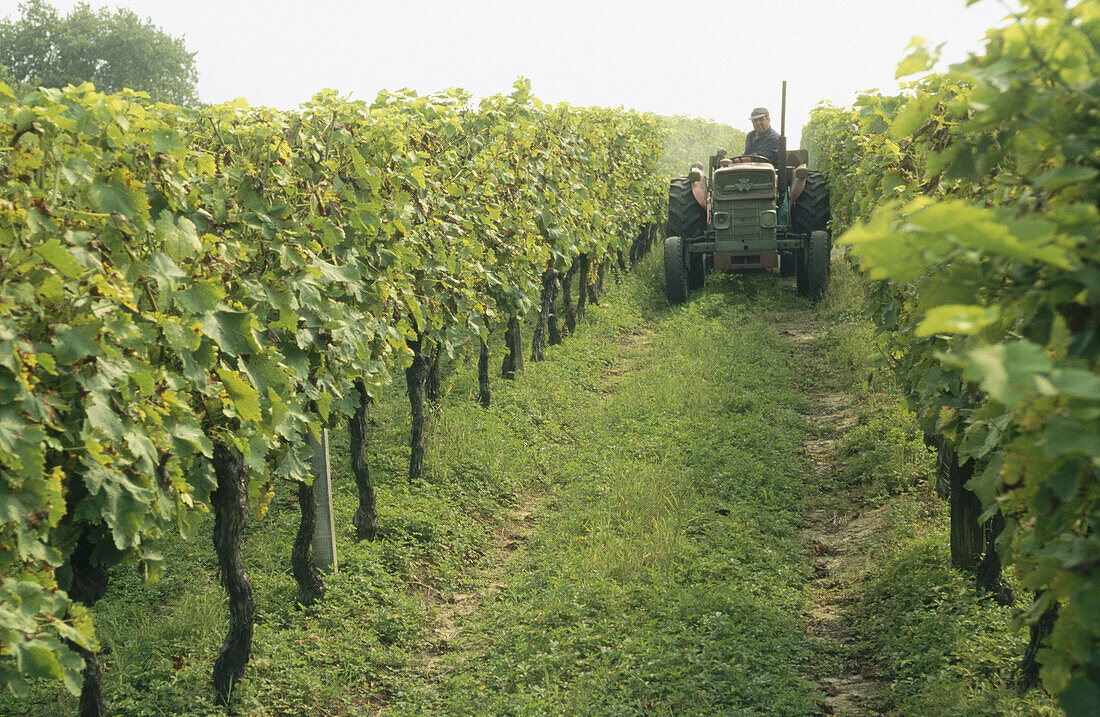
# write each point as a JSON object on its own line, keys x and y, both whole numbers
{"x": 112, "y": 50}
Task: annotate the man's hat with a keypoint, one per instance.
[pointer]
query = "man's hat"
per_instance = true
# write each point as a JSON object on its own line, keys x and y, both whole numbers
{"x": 759, "y": 112}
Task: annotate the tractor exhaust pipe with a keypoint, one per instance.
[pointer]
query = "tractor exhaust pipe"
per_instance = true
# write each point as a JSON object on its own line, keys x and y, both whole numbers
{"x": 783, "y": 112}
{"x": 782, "y": 163}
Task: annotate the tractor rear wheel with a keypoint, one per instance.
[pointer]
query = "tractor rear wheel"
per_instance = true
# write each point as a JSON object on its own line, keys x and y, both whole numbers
{"x": 810, "y": 212}
{"x": 817, "y": 265}
{"x": 685, "y": 217}
{"x": 676, "y": 273}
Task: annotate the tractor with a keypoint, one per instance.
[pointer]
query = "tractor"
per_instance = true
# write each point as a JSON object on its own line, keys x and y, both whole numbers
{"x": 745, "y": 215}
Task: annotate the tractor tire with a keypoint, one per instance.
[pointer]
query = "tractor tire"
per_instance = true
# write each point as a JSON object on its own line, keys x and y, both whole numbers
{"x": 685, "y": 217}
{"x": 818, "y": 265}
{"x": 802, "y": 273}
{"x": 697, "y": 271}
{"x": 676, "y": 271}
{"x": 810, "y": 212}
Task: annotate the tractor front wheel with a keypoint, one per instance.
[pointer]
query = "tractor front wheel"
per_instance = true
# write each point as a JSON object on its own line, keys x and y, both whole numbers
{"x": 818, "y": 265}
{"x": 802, "y": 272}
{"x": 676, "y": 271}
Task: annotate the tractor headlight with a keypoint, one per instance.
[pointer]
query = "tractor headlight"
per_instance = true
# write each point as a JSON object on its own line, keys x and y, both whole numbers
{"x": 722, "y": 220}
{"x": 767, "y": 218}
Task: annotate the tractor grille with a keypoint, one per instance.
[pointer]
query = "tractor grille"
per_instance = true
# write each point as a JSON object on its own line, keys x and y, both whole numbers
{"x": 739, "y": 222}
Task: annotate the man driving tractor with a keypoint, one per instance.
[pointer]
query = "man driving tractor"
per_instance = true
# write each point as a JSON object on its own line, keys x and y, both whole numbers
{"x": 763, "y": 140}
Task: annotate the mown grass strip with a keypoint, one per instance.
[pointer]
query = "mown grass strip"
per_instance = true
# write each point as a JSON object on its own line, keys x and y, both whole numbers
{"x": 665, "y": 575}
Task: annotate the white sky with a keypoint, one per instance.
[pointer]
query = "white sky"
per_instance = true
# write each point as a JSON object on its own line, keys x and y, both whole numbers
{"x": 704, "y": 58}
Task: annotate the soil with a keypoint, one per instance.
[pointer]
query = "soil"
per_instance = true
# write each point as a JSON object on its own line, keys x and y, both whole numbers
{"x": 835, "y": 534}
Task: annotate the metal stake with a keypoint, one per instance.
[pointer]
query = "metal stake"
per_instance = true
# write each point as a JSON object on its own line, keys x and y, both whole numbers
{"x": 324, "y": 528}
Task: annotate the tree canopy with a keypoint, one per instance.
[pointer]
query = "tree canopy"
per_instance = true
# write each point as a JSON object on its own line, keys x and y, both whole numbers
{"x": 112, "y": 50}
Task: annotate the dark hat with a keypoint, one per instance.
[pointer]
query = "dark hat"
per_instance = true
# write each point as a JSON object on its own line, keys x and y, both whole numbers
{"x": 759, "y": 112}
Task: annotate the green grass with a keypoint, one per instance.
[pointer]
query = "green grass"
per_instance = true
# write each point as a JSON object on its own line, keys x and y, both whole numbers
{"x": 940, "y": 647}
{"x": 664, "y": 574}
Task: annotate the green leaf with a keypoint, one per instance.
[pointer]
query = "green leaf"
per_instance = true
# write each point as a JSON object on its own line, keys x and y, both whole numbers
{"x": 232, "y": 332}
{"x": 1080, "y": 697}
{"x": 199, "y": 298}
{"x": 912, "y": 116}
{"x": 70, "y": 633}
{"x": 1076, "y": 382}
{"x": 73, "y": 343}
{"x": 957, "y": 319}
{"x": 178, "y": 236}
{"x": 921, "y": 59}
{"x": 245, "y": 399}
{"x": 112, "y": 198}
{"x": 37, "y": 660}
{"x": 100, "y": 415}
{"x": 1007, "y": 371}
{"x": 59, "y": 258}
{"x": 188, "y": 438}
{"x": 1066, "y": 175}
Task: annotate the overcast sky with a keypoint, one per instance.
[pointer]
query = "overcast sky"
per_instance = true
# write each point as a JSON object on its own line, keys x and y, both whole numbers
{"x": 704, "y": 58}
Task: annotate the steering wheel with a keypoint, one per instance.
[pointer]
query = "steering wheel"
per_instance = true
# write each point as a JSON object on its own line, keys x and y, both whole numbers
{"x": 751, "y": 158}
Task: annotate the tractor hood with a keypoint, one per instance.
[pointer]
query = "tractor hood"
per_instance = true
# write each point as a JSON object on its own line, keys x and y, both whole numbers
{"x": 745, "y": 181}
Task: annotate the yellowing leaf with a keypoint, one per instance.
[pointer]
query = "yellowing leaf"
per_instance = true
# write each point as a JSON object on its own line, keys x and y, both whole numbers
{"x": 957, "y": 319}
{"x": 246, "y": 401}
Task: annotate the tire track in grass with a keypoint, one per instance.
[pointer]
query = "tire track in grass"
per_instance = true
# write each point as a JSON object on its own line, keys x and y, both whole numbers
{"x": 485, "y": 583}
{"x": 665, "y": 573}
{"x": 835, "y": 533}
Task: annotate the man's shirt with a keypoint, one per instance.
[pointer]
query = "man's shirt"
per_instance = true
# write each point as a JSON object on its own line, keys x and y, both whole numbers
{"x": 766, "y": 146}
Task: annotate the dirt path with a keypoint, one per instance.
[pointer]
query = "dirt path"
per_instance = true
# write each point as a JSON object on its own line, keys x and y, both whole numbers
{"x": 485, "y": 581}
{"x": 450, "y": 610}
{"x": 835, "y": 534}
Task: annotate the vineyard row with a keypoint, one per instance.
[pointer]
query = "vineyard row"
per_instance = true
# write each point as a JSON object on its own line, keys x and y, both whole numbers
{"x": 186, "y": 296}
{"x": 971, "y": 203}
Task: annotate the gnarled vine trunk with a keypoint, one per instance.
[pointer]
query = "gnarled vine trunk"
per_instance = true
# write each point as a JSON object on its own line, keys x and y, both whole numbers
{"x": 988, "y": 571}
{"x": 311, "y": 587}
{"x": 366, "y": 515}
{"x": 1027, "y": 673}
{"x": 582, "y": 285}
{"x": 513, "y": 342}
{"x": 484, "y": 391}
{"x": 569, "y": 315}
{"x": 89, "y": 583}
{"x": 967, "y": 535}
{"x": 230, "y": 503}
{"x": 548, "y": 297}
{"x": 415, "y": 377}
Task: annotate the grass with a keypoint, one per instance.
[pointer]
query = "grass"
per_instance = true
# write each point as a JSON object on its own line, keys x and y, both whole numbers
{"x": 666, "y": 577}
{"x": 664, "y": 573}
{"x": 940, "y": 647}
